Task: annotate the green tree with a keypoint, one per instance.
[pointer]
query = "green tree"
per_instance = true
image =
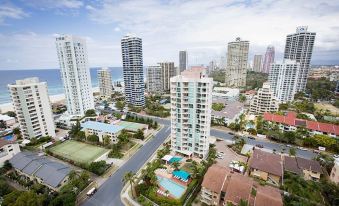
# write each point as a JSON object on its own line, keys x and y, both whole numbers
{"x": 176, "y": 165}
{"x": 292, "y": 151}
{"x": 218, "y": 106}
{"x": 139, "y": 135}
{"x": 120, "y": 105}
{"x": 98, "y": 168}
{"x": 16, "y": 131}
{"x": 80, "y": 135}
{"x": 11, "y": 114}
{"x": 106, "y": 140}
{"x": 93, "y": 138}
{"x": 90, "y": 113}
{"x": 242, "y": 98}
{"x": 129, "y": 177}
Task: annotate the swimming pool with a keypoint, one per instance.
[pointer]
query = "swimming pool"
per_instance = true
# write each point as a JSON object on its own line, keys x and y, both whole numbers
{"x": 8, "y": 137}
{"x": 175, "y": 159}
{"x": 174, "y": 189}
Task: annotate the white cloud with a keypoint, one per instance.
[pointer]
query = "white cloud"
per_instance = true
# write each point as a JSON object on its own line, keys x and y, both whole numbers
{"x": 10, "y": 12}
{"x": 204, "y": 27}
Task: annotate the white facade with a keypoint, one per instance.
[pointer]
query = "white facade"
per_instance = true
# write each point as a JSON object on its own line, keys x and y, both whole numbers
{"x": 283, "y": 79}
{"x": 237, "y": 60}
{"x": 105, "y": 83}
{"x": 75, "y": 74}
{"x": 132, "y": 61}
{"x": 154, "y": 80}
{"x": 299, "y": 47}
{"x": 257, "y": 63}
{"x": 7, "y": 150}
{"x": 191, "y": 102}
{"x": 33, "y": 108}
{"x": 10, "y": 121}
{"x": 264, "y": 101}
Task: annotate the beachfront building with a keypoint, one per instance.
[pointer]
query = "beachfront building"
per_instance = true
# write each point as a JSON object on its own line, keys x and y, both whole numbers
{"x": 183, "y": 61}
{"x": 102, "y": 130}
{"x": 154, "y": 80}
{"x": 7, "y": 150}
{"x": 283, "y": 79}
{"x": 264, "y": 101}
{"x": 46, "y": 171}
{"x": 75, "y": 74}
{"x": 191, "y": 102}
{"x": 33, "y": 108}
{"x": 268, "y": 59}
{"x": 299, "y": 47}
{"x": 105, "y": 82}
{"x": 257, "y": 63}
{"x": 133, "y": 72}
{"x": 237, "y": 61}
{"x": 167, "y": 72}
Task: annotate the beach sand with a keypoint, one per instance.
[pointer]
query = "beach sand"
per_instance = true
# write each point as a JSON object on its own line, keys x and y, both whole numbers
{"x": 59, "y": 98}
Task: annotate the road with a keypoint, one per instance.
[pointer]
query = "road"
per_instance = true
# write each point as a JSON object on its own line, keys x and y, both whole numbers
{"x": 109, "y": 192}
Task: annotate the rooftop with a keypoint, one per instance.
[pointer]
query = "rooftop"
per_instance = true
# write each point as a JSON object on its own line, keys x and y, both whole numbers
{"x": 239, "y": 187}
{"x": 307, "y": 164}
{"x": 5, "y": 117}
{"x": 291, "y": 165}
{"x": 267, "y": 162}
{"x": 4, "y": 142}
{"x": 291, "y": 119}
{"x": 232, "y": 108}
{"x": 215, "y": 177}
{"x": 102, "y": 127}
{"x": 52, "y": 173}
{"x": 268, "y": 196}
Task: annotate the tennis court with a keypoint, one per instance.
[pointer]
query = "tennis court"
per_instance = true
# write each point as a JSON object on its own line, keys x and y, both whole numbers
{"x": 132, "y": 126}
{"x": 78, "y": 151}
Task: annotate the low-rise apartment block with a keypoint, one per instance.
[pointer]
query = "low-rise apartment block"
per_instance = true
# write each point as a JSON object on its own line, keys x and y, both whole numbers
{"x": 309, "y": 169}
{"x": 290, "y": 122}
{"x": 102, "y": 130}
{"x": 264, "y": 101}
{"x": 7, "y": 150}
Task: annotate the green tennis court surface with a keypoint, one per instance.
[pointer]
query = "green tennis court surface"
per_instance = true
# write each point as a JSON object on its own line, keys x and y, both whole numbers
{"x": 78, "y": 151}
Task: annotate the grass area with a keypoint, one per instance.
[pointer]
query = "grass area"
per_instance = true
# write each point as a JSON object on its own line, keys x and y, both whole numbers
{"x": 78, "y": 151}
{"x": 218, "y": 106}
{"x": 127, "y": 146}
{"x": 308, "y": 191}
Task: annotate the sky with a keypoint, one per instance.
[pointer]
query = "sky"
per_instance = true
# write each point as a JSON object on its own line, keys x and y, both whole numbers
{"x": 202, "y": 27}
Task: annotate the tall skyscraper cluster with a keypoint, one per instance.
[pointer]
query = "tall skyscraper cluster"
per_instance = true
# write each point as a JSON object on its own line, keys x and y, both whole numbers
{"x": 158, "y": 77}
{"x": 290, "y": 76}
{"x": 237, "y": 60}
{"x": 132, "y": 61}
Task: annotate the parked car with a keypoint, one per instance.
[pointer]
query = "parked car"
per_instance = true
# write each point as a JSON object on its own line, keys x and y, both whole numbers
{"x": 302, "y": 148}
{"x": 221, "y": 153}
{"x": 259, "y": 145}
{"x": 336, "y": 156}
{"x": 250, "y": 137}
{"x": 231, "y": 133}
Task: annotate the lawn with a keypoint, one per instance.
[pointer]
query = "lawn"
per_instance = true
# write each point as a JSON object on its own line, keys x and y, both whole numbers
{"x": 78, "y": 151}
{"x": 187, "y": 167}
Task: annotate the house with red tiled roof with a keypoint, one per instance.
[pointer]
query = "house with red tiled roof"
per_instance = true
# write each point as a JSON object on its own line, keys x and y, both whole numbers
{"x": 223, "y": 187}
{"x": 290, "y": 122}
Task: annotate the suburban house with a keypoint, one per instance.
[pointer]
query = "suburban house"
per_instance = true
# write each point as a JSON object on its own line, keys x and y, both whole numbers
{"x": 7, "y": 150}
{"x": 290, "y": 122}
{"x": 266, "y": 166}
{"x": 101, "y": 130}
{"x": 222, "y": 187}
{"x": 334, "y": 176}
{"x": 309, "y": 169}
{"x": 41, "y": 168}
{"x": 230, "y": 113}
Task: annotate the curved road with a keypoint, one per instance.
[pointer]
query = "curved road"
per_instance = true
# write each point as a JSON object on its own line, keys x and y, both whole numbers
{"x": 109, "y": 192}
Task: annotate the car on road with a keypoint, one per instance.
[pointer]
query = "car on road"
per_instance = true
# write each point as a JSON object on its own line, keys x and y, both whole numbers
{"x": 336, "y": 156}
{"x": 250, "y": 137}
{"x": 259, "y": 145}
{"x": 91, "y": 191}
{"x": 288, "y": 145}
{"x": 302, "y": 148}
{"x": 231, "y": 133}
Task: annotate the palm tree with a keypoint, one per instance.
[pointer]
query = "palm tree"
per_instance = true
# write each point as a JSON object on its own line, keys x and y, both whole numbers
{"x": 129, "y": 177}
{"x": 176, "y": 165}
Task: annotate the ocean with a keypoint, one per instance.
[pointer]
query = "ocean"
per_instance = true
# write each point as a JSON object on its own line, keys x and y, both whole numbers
{"x": 51, "y": 76}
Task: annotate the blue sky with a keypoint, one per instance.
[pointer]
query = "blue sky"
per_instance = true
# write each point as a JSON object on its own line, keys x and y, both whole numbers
{"x": 28, "y": 28}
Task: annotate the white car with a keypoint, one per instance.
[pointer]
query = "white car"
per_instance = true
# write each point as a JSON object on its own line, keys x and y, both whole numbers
{"x": 302, "y": 148}
{"x": 336, "y": 156}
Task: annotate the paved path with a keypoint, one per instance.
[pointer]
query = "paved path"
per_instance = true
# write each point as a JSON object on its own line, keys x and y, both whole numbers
{"x": 109, "y": 192}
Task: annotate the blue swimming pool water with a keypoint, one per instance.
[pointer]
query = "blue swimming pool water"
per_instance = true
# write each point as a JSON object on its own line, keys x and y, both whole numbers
{"x": 174, "y": 189}
{"x": 8, "y": 137}
{"x": 175, "y": 159}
